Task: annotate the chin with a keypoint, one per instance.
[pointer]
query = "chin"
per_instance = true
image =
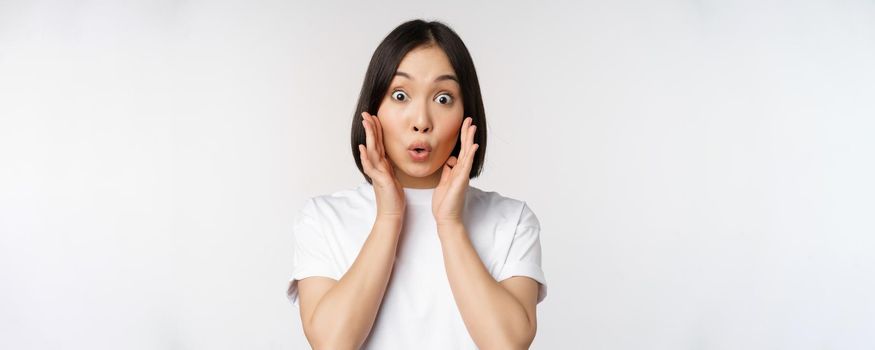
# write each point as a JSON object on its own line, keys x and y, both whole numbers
{"x": 418, "y": 170}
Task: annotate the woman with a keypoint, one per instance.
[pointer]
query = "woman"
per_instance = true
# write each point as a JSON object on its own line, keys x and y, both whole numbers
{"x": 415, "y": 257}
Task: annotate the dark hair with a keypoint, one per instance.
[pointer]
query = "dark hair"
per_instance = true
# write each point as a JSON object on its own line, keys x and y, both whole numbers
{"x": 388, "y": 55}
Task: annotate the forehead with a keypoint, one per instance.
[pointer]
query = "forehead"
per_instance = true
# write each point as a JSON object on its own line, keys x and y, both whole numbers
{"x": 426, "y": 62}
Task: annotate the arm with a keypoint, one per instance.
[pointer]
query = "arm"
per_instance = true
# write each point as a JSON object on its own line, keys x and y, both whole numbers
{"x": 497, "y": 315}
{"x": 339, "y": 315}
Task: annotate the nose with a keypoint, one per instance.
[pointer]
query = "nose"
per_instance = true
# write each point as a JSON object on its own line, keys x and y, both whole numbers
{"x": 422, "y": 120}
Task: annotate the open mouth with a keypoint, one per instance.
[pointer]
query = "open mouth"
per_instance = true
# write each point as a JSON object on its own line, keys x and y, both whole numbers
{"x": 419, "y": 151}
{"x": 419, "y": 154}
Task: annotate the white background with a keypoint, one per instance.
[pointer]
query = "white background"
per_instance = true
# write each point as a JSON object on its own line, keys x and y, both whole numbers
{"x": 702, "y": 170}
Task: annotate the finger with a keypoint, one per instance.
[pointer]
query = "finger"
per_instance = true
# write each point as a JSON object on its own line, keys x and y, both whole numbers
{"x": 471, "y": 133}
{"x": 366, "y": 164}
{"x": 470, "y": 139}
{"x": 369, "y": 136}
{"x": 471, "y": 158}
{"x": 470, "y": 143}
{"x": 377, "y": 132}
{"x": 381, "y": 148}
{"x": 464, "y": 168}
{"x": 468, "y": 161}
{"x": 445, "y": 174}
{"x": 463, "y": 137}
{"x": 464, "y": 131}
{"x": 391, "y": 165}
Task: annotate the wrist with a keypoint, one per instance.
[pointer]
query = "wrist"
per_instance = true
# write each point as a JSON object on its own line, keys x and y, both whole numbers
{"x": 449, "y": 223}
{"x": 394, "y": 217}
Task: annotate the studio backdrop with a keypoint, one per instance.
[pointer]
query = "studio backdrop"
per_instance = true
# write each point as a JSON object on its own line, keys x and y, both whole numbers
{"x": 702, "y": 170}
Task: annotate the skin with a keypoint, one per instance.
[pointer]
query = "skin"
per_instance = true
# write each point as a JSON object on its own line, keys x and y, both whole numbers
{"x": 424, "y": 102}
{"x": 497, "y": 315}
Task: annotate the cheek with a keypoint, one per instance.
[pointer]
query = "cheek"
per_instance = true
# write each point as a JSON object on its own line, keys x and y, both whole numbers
{"x": 392, "y": 141}
{"x": 449, "y": 139}
{"x": 390, "y": 109}
{"x": 385, "y": 104}
{"x": 388, "y": 116}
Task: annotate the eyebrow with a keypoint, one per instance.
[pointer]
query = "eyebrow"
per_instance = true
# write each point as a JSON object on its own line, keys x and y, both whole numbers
{"x": 440, "y": 78}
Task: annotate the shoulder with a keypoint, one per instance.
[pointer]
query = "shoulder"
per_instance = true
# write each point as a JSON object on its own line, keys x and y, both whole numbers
{"x": 348, "y": 201}
{"x": 493, "y": 203}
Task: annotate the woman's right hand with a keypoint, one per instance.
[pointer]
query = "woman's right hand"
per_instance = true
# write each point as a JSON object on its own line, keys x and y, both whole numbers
{"x": 376, "y": 164}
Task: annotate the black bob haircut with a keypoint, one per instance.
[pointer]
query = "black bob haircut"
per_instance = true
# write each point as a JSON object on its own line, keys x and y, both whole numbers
{"x": 388, "y": 55}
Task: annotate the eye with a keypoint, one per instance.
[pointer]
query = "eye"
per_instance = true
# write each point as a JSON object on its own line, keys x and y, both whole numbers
{"x": 399, "y": 95}
{"x": 444, "y": 99}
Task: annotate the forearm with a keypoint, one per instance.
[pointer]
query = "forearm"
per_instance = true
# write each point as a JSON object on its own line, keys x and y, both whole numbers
{"x": 495, "y": 319}
{"x": 344, "y": 316}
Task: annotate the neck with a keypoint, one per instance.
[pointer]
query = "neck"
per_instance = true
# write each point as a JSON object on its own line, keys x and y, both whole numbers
{"x": 408, "y": 181}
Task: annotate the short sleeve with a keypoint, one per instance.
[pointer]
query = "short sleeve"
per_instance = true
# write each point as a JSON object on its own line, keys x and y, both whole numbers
{"x": 524, "y": 254}
{"x": 312, "y": 254}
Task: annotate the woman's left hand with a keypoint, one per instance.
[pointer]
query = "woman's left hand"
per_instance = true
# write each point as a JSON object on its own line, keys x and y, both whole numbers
{"x": 448, "y": 200}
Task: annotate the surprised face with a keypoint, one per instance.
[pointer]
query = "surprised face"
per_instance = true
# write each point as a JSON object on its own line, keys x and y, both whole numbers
{"x": 421, "y": 116}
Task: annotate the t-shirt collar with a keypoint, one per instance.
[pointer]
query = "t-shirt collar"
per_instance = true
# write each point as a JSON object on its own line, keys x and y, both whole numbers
{"x": 418, "y": 195}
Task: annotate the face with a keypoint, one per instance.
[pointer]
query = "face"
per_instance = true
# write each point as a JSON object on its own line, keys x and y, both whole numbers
{"x": 421, "y": 116}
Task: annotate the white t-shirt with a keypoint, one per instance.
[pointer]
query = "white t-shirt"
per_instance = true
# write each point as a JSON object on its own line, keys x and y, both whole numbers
{"x": 418, "y": 309}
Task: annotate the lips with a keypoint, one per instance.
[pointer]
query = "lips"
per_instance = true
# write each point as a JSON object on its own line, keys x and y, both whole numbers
{"x": 419, "y": 146}
{"x": 419, "y": 151}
